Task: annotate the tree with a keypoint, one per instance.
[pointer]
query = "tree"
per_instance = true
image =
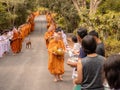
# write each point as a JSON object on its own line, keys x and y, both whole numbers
{"x": 81, "y": 5}
{"x": 15, "y": 12}
{"x": 94, "y": 6}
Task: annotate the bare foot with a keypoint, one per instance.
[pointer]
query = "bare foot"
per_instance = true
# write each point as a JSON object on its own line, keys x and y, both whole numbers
{"x": 14, "y": 54}
{"x": 60, "y": 78}
{"x": 55, "y": 80}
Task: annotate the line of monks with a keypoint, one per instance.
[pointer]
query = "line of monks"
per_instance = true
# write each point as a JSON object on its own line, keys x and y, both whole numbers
{"x": 55, "y": 47}
{"x": 15, "y": 37}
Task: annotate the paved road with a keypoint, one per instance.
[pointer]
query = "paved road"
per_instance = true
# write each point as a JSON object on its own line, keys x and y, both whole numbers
{"x": 28, "y": 70}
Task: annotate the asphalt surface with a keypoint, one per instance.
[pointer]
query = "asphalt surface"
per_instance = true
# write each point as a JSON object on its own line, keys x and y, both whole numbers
{"x": 28, "y": 69}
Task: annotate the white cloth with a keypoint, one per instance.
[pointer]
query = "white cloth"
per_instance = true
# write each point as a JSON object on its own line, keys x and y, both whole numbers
{"x": 1, "y": 46}
{"x": 6, "y": 43}
{"x": 64, "y": 38}
{"x": 74, "y": 74}
{"x": 10, "y": 35}
{"x": 76, "y": 46}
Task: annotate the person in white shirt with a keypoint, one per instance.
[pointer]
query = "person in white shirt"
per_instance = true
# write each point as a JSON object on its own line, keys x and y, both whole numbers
{"x": 74, "y": 56}
{"x": 64, "y": 38}
{"x": 6, "y": 42}
{"x": 1, "y": 47}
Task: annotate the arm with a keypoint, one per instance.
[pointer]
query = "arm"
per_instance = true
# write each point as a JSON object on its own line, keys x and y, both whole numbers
{"x": 72, "y": 64}
{"x": 80, "y": 75}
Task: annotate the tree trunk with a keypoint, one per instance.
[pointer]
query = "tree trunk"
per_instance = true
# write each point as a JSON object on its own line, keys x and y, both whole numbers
{"x": 83, "y": 3}
{"x": 93, "y": 6}
{"x": 76, "y": 5}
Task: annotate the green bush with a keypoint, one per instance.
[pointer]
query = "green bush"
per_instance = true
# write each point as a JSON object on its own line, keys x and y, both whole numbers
{"x": 112, "y": 46}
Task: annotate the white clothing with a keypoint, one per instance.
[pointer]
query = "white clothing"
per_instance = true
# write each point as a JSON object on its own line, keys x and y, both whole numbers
{"x": 74, "y": 74}
{"x": 76, "y": 46}
{"x": 10, "y": 35}
{"x": 6, "y": 43}
{"x": 1, "y": 46}
{"x": 64, "y": 37}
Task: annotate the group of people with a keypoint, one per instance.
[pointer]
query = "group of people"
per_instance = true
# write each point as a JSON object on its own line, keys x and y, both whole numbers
{"x": 11, "y": 39}
{"x": 91, "y": 69}
{"x": 91, "y": 65}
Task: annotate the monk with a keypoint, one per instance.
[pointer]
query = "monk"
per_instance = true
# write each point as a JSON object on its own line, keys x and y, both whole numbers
{"x": 55, "y": 62}
{"x": 21, "y": 28}
{"x": 49, "y": 18}
{"x": 15, "y": 42}
{"x": 20, "y": 40}
{"x": 30, "y": 19}
{"x": 48, "y": 35}
{"x": 36, "y": 14}
{"x": 29, "y": 27}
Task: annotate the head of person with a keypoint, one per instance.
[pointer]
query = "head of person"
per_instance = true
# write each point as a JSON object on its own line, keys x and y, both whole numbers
{"x": 112, "y": 71}
{"x": 50, "y": 28}
{"x": 89, "y": 44}
{"x": 81, "y": 33}
{"x": 94, "y": 34}
{"x": 5, "y": 32}
{"x": 59, "y": 30}
{"x": 49, "y": 13}
{"x": 15, "y": 30}
{"x": 56, "y": 37}
{"x": 74, "y": 39}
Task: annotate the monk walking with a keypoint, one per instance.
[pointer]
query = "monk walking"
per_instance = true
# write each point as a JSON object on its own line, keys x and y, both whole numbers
{"x": 56, "y": 62}
{"x": 15, "y": 42}
{"x": 48, "y": 35}
{"x": 20, "y": 40}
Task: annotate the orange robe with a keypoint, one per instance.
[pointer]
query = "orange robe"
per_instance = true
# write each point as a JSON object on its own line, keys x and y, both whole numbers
{"x": 31, "y": 21}
{"x": 49, "y": 18}
{"x": 47, "y": 36}
{"x": 15, "y": 42}
{"x": 20, "y": 39}
{"x": 29, "y": 28}
{"x": 36, "y": 14}
{"x": 22, "y": 33}
{"x": 55, "y": 64}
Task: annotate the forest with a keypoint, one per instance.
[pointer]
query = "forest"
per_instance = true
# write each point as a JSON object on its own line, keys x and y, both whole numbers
{"x": 100, "y": 15}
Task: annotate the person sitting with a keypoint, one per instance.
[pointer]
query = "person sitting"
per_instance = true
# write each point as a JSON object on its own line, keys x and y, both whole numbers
{"x": 111, "y": 69}
{"x": 89, "y": 68}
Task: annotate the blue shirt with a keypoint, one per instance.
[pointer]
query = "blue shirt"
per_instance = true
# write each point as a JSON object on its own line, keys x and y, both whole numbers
{"x": 82, "y": 54}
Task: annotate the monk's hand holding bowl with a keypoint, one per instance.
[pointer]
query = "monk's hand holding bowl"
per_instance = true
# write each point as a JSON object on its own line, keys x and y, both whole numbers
{"x": 54, "y": 53}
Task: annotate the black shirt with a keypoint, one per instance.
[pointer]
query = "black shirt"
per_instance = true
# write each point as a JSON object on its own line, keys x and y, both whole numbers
{"x": 100, "y": 50}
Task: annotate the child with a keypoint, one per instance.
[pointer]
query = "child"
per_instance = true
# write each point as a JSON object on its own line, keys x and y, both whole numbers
{"x": 73, "y": 56}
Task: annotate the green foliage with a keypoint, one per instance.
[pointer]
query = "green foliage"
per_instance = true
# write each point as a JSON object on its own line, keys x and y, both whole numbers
{"x": 3, "y": 16}
{"x": 112, "y": 46}
{"x": 107, "y": 24}
{"x": 112, "y": 5}
{"x": 15, "y": 12}
{"x": 67, "y": 16}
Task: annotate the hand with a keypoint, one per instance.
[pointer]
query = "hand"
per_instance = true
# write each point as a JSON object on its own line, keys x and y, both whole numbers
{"x": 54, "y": 53}
{"x": 76, "y": 53}
{"x": 65, "y": 51}
{"x": 68, "y": 62}
{"x": 74, "y": 81}
{"x": 72, "y": 64}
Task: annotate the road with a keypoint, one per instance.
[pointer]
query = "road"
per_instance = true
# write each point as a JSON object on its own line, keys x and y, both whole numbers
{"x": 28, "y": 69}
